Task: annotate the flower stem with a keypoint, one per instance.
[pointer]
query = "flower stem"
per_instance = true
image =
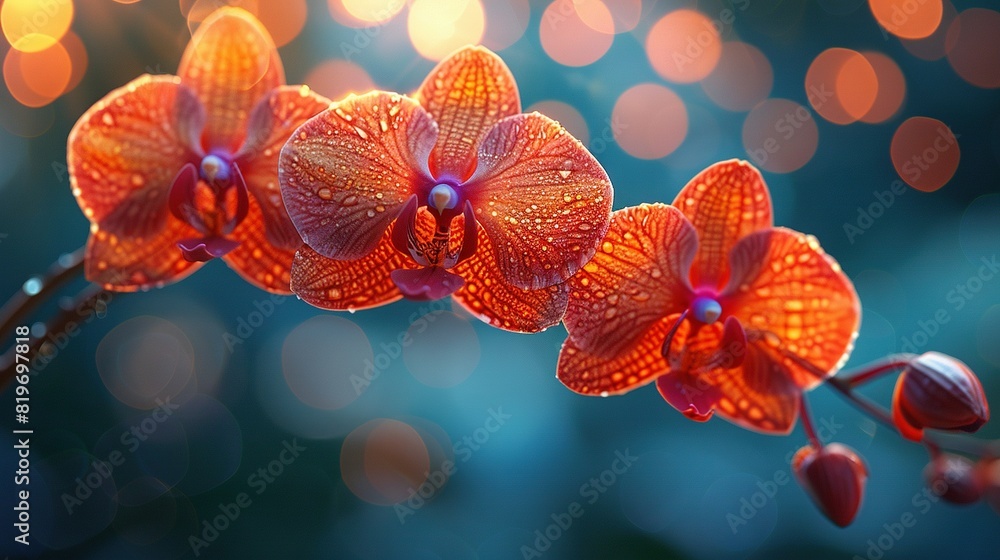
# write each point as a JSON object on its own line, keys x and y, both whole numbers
{"x": 874, "y": 370}
{"x": 807, "y": 425}
{"x": 21, "y": 303}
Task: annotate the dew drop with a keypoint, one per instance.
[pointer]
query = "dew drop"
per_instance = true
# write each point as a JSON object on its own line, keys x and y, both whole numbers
{"x": 325, "y": 193}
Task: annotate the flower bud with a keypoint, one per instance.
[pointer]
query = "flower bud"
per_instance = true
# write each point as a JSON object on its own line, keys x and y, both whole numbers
{"x": 834, "y": 476}
{"x": 954, "y": 478}
{"x": 989, "y": 472}
{"x": 939, "y": 392}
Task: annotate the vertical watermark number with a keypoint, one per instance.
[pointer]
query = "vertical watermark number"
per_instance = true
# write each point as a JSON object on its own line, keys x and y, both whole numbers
{"x": 22, "y": 409}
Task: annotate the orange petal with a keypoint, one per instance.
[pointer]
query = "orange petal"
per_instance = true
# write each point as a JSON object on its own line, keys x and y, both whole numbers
{"x": 725, "y": 202}
{"x": 127, "y": 263}
{"x": 637, "y": 365}
{"x": 757, "y": 396}
{"x": 542, "y": 198}
{"x": 467, "y": 93}
{"x": 231, "y": 63}
{"x": 346, "y": 173}
{"x": 256, "y": 259}
{"x": 638, "y": 277}
{"x": 125, "y": 151}
{"x": 271, "y": 124}
{"x": 488, "y": 295}
{"x": 348, "y": 285}
{"x": 789, "y": 293}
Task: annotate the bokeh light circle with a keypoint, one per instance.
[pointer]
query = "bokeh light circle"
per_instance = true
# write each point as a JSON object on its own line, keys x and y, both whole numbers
{"x": 35, "y": 25}
{"x": 283, "y": 20}
{"x": 780, "y": 135}
{"x": 973, "y": 41}
{"x": 506, "y": 23}
{"x": 684, "y": 46}
{"x": 933, "y": 46}
{"x": 569, "y": 40}
{"x": 36, "y": 78}
{"x": 146, "y": 360}
{"x": 649, "y": 121}
{"x": 925, "y": 153}
{"x": 908, "y": 19}
{"x": 373, "y": 11}
{"x": 841, "y": 85}
{"x": 567, "y": 115}
{"x": 384, "y": 461}
{"x": 325, "y": 361}
{"x": 625, "y": 13}
{"x": 336, "y": 78}
{"x": 443, "y": 350}
{"x": 891, "y": 88}
{"x": 438, "y": 28}
{"x": 742, "y": 78}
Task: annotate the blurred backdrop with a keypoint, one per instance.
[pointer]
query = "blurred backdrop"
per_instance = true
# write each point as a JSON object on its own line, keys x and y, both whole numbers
{"x": 265, "y": 428}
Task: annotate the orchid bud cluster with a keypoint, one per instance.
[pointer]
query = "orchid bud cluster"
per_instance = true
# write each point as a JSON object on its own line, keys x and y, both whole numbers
{"x": 933, "y": 392}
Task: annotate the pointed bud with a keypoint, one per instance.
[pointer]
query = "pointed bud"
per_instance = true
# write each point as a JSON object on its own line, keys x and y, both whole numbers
{"x": 954, "y": 478}
{"x": 939, "y": 392}
{"x": 834, "y": 476}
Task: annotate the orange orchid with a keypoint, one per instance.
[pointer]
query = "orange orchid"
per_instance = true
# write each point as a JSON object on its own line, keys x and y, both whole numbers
{"x": 726, "y": 312}
{"x": 173, "y": 171}
{"x": 452, "y": 191}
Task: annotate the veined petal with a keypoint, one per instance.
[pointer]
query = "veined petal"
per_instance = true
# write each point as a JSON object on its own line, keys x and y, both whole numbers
{"x": 467, "y": 93}
{"x": 637, "y": 277}
{"x": 347, "y": 172}
{"x": 231, "y": 63}
{"x": 543, "y": 199}
{"x": 637, "y": 365}
{"x": 725, "y": 202}
{"x": 130, "y": 263}
{"x": 348, "y": 285}
{"x": 256, "y": 259}
{"x": 789, "y": 293}
{"x": 489, "y": 296}
{"x": 270, "y": 125}
{"x": 125, "y": 151}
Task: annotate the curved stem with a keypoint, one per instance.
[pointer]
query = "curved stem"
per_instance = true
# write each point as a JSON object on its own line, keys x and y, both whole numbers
{"x": 21, "y": 303}
{"x": 89, "y": 302}
{"x": 877, "y": 369}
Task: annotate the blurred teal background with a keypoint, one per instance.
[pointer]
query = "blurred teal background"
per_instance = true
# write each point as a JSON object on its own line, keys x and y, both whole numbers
{"x": 258, "y": 380}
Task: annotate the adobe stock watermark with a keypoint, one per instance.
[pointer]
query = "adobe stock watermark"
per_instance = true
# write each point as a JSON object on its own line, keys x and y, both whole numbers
{"x": 131, "y": 439}
{"x": 767, "y": 489}
{"x": 912, "y": 170}
{"x": 895, "y": 530}
{"x": 364, "y": 36}
{"x": 788, "y": 125}
{"x": 463, "y": 450}
{"x": 959, "y": 297}
{"x": 246, "y": 326}
{"x": 259, "y": 481}
{"x": 590, "y": 492}
{"x": 900, "y": 14}
{"x": 37, "y": 21}
{"x": 420, "y": 319}
{"x": 696, "y": 43}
